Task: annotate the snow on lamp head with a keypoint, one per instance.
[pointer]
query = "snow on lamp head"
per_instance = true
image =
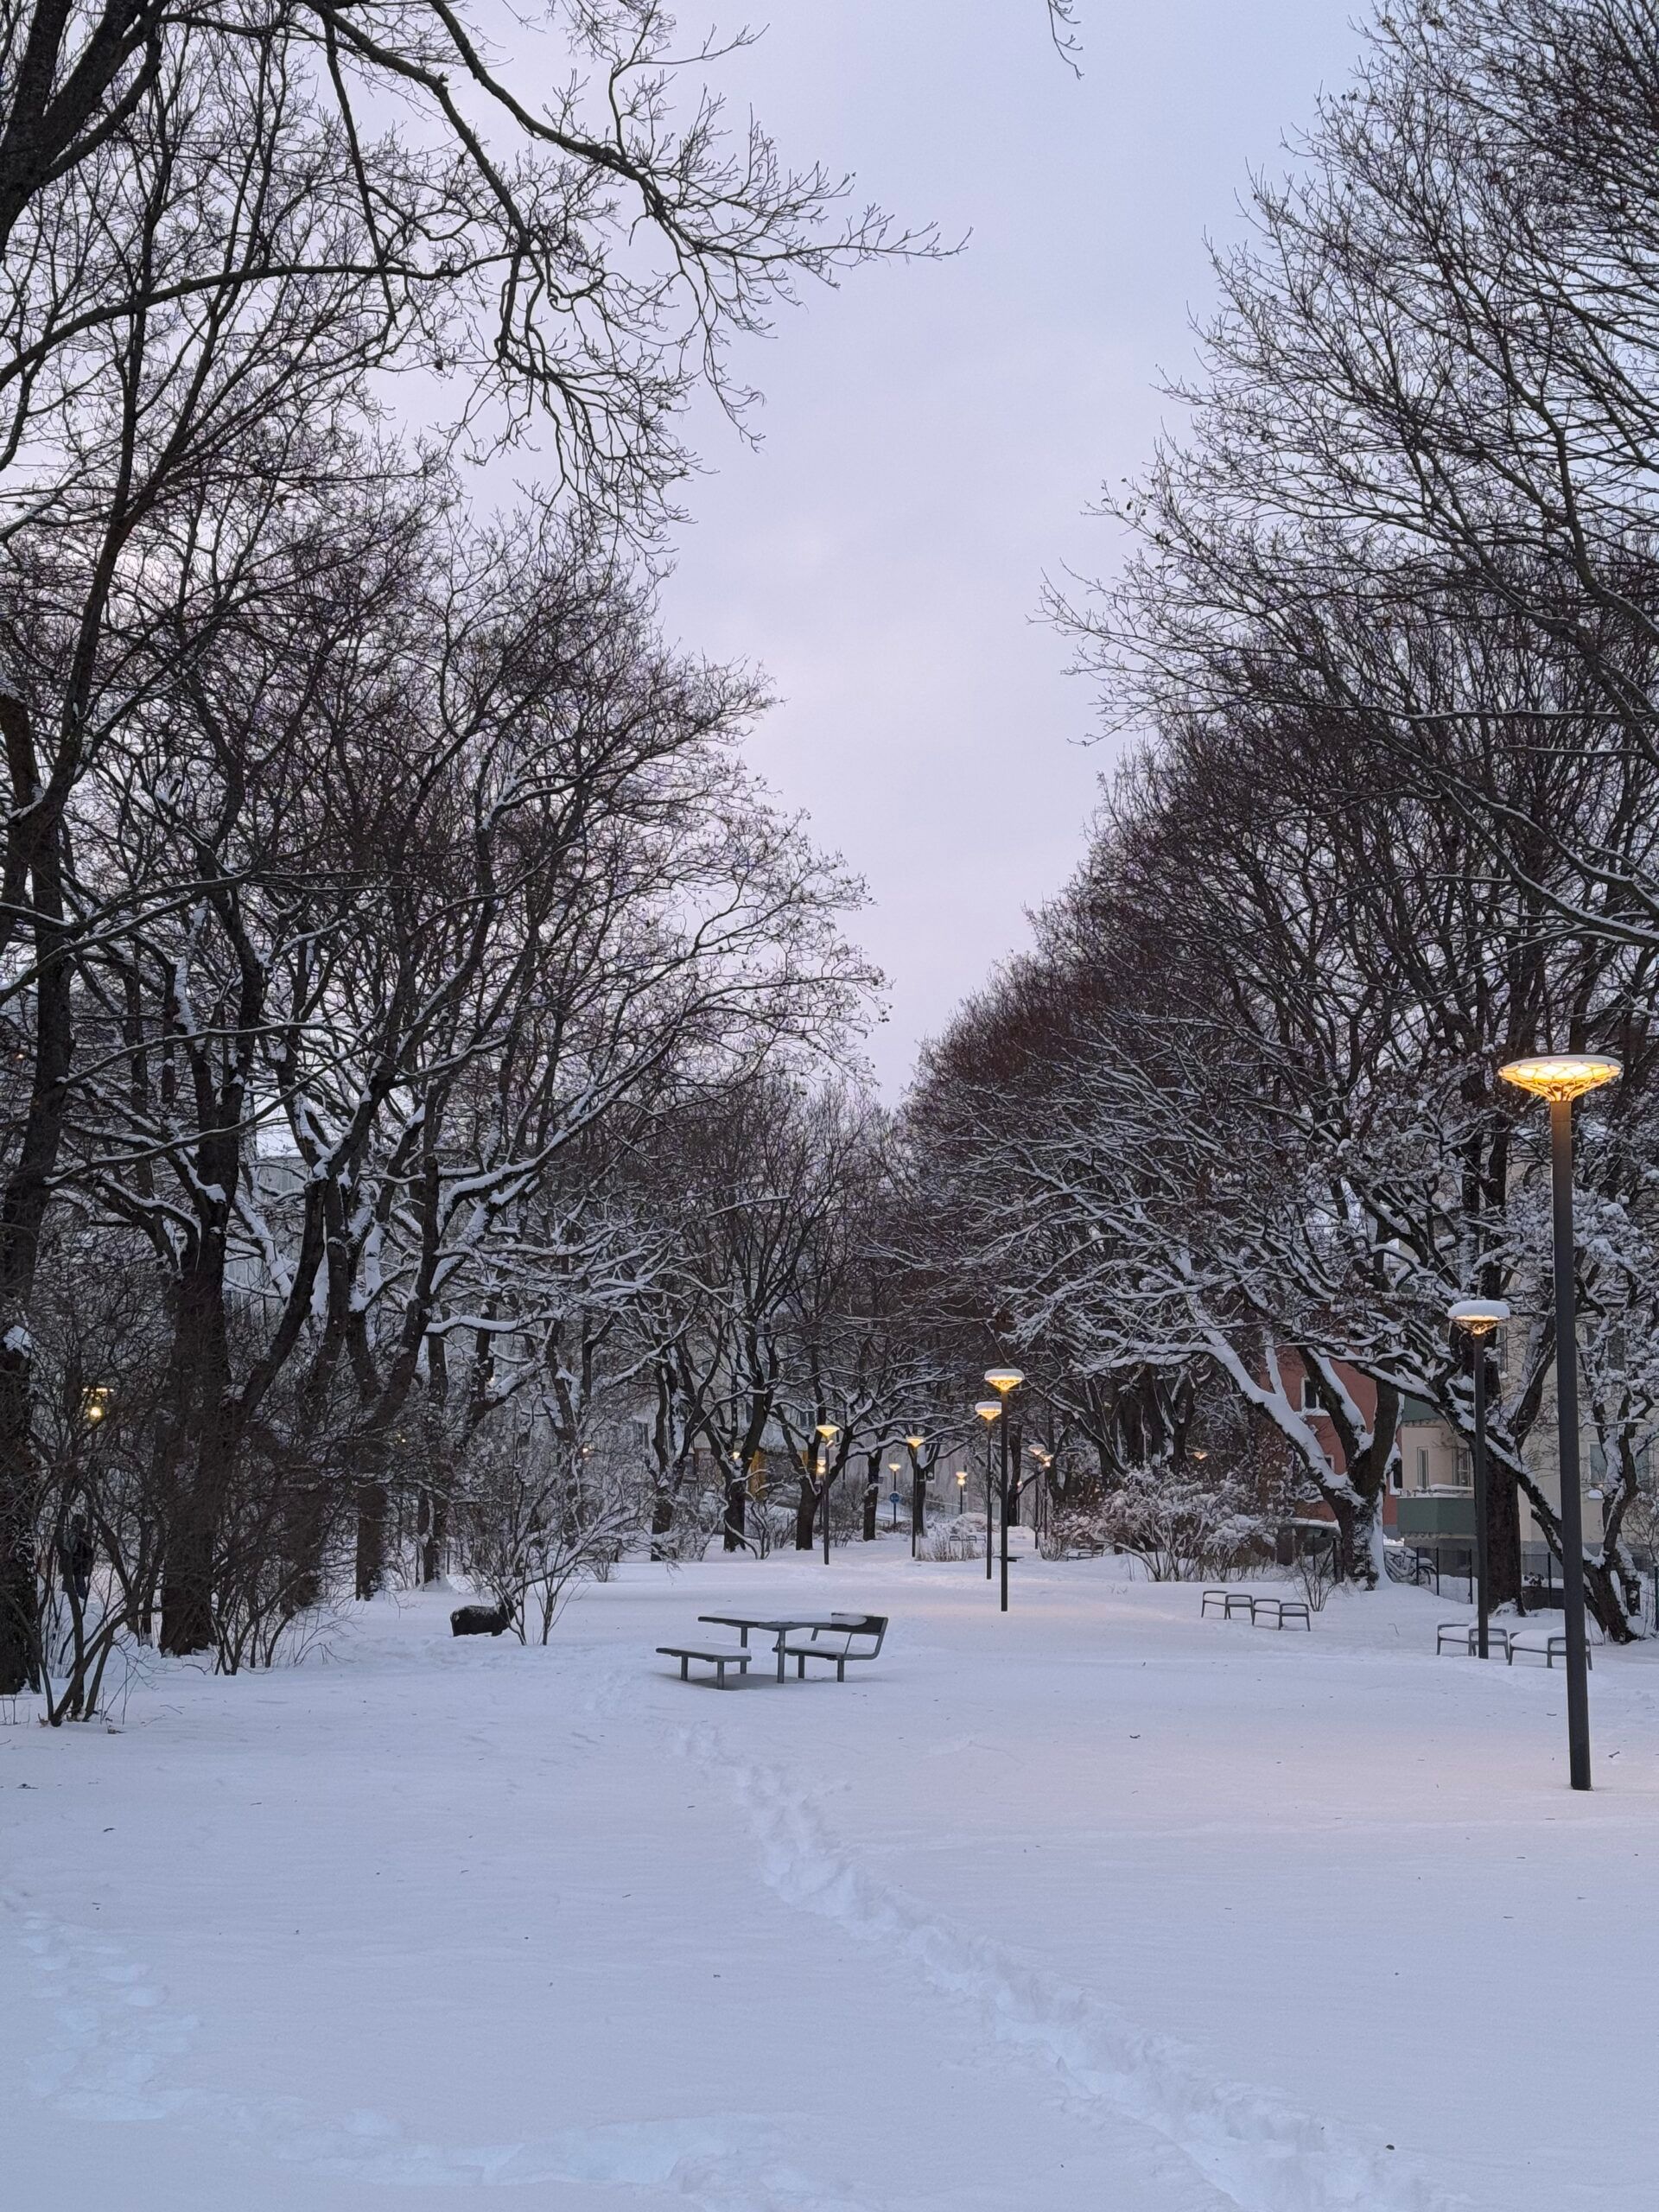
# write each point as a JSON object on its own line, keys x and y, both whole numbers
{"x": 988, "y": 1409}
{"x": 1477, "y": 1316}
{"x": 1004, "y": 1379}
{"x": 1562, "y": 1077}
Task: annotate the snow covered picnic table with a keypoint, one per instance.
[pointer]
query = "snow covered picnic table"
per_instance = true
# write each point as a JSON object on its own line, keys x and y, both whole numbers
{"x": 784, "y": 1626}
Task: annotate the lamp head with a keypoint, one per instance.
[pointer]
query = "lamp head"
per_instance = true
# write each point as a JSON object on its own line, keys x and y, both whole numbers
{"x": 1560, "y": 1077}
{"x": 1477, "y": 1316}
{"x": 962, "y": 1479}
{"x": 988, "y": 1409}
{"x": 828, "y": 1431}
{"x": 1004, "y": 1379}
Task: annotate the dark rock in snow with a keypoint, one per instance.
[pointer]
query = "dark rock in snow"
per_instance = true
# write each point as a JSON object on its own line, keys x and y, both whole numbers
{"x": 477, "y": 1620}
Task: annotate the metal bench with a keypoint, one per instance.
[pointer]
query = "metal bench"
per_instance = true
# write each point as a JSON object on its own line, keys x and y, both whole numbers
{"x": 835, "y": 1645}
{"x": 1464, "y": 1636}
{"x": 1227, "y": 1600}
{"x": 719, "y": 1656}
{"x": 1278, "y": 1611}
{"x": 1543, "y": 1643}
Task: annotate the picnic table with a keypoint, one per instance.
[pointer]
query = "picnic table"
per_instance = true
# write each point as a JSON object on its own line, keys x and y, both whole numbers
{"x": 772, "y": 1625}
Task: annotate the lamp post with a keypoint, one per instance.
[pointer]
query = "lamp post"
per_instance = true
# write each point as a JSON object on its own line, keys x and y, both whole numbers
{"x": 1477, "y": 1318}
{"x": 989, "y": 1410}
{"x": 829, "y": 1431}
{"x": 1561, "y": 1078}
{"x": 962, "y": 1497}
{"x": 1004, "y": 1380}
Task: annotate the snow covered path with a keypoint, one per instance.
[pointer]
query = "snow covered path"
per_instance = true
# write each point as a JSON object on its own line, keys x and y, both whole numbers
{"x": 1096, "y": 1905}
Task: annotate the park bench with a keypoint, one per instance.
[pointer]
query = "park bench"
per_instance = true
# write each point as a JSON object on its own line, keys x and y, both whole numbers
{"x": 1545, "y": 1644}
{"x": 835, "y": 1646}
{"x": 1464, "y": 1636}
{"x": 719, "y": 1656}
{"x": 1278, "y": 1611}
{"x": 1228, "y": 1600}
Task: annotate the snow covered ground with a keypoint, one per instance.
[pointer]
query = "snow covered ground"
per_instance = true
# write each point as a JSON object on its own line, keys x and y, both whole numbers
{"x": 1093, "y": 1905}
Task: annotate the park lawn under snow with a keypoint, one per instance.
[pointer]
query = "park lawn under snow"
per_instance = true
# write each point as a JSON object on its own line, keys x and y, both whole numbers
{"x": 1092, "y": 1905}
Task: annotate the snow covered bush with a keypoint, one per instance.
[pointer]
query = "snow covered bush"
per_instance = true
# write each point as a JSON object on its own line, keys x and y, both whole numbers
{"x": 1182, "y": 1529}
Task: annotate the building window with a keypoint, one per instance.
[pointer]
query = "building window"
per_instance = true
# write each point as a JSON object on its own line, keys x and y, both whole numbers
{"x": 1397, "y": 1478}
{"x": 1310, "y": 1396}
{"x": 1466, "y": 1468}
{"x": 1423, "y": 1467}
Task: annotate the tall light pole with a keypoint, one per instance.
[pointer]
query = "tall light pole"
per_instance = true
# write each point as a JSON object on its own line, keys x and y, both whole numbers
{"x": 1004, "y": 1380}
{"x": 989, "y": 1410}
{"x": 1561, "y": 1078}
{"x": 829, "y": 1431}
{"x": 1477, "y": 1318}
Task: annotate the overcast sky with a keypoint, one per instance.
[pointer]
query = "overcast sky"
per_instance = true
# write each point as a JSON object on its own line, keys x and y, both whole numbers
{"x": 933, "y": 435}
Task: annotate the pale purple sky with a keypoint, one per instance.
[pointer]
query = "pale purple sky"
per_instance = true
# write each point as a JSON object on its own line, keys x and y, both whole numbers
{"x": 933, "y": 436}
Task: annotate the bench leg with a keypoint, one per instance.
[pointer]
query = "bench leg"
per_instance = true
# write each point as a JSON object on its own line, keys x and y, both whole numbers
{"x": 686, "y": 1671}
{"x": 800, "y": 1670}
{"x": 841, "y": 1670}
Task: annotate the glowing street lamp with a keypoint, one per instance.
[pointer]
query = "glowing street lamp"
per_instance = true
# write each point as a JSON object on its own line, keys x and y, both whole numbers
{"x": 962, "y": 1489}
{"x": 1560, "y": 1078}
{"x": 1477, "y": 1318}
{"x": 1004, "y": 1380}
{"x": 829, "y": 1431}
{"x": 989, "y": 1410}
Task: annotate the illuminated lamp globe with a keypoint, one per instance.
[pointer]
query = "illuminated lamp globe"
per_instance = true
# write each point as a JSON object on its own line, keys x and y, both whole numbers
{"x": 989, "y": 1409}
{"x": 1004, "y": 1379}
{"x": 1562, "y": 1077}
{"x": 1480, "y": 1316}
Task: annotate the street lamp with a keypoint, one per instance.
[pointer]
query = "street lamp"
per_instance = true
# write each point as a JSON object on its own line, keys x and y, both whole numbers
{"x": 962, "y": 1489}
{"x": 914, "y": 1445}
{"x": 1477, "y": 1318}
{"x": 829, "y": 1431}
{"x": 989, "y": 1410}
{"x": 1561, "y": 1078}
{"x": 1003, "y": 1380}
{"x": 1044, "y": 1461}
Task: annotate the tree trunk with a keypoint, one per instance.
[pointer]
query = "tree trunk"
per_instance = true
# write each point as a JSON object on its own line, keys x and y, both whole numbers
{"x": 662, "y": 1519}
{"x": 201, "y": 1368}
{"x": 373, "y": 1512}
{"x": 871, "y": 1495}
{"x": 35, "y": 821}
{"x": 1356, "y": 1550}
{"x": 806, "y": 1514}
{"x": 1503, "y": 1535}
{"x": 437, "y": 1535}
{"x": 19, "y": 1645}
{"x": 187, "y": 1579}
{"x": 736, "y": 1525}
